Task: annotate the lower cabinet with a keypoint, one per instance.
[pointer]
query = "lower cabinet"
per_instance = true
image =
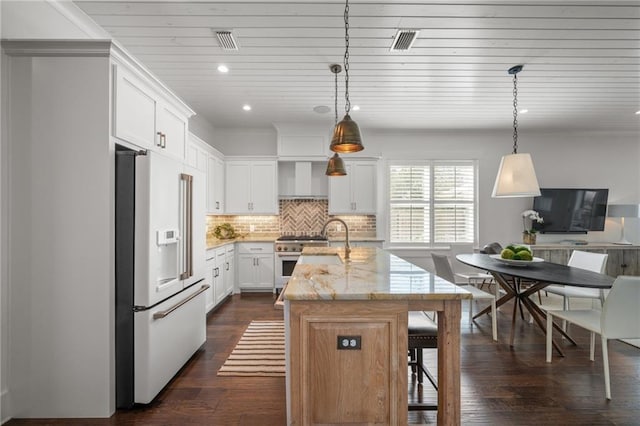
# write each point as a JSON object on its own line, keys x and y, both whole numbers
{"x": 255, "y": 266}
{"x": 344, "y": 362}
{"x": 229, "y": 269}
{"x": 208, "y": 277}
{"x": 622, "y": 260}
{"x": 219, "y": 275}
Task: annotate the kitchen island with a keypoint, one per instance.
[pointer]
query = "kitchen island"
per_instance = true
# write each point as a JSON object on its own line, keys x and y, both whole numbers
{"x": 346, "y": 337}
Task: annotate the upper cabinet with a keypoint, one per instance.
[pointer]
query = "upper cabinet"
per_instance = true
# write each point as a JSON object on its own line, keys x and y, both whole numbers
{"x": 251, "y": 187}
{"x": 216, "y": 187}
{"x": 354, "y": 193}
{"x": 197, "y": 154}
{"x": 207, "y": 159}
{"x": 146, "y": 118}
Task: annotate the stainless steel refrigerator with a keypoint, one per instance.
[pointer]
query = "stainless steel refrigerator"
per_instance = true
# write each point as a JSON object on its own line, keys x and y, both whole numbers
{"x": 160, "y": 266}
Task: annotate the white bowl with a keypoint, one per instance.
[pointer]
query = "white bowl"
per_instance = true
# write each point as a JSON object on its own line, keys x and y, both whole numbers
{"x": 515, "y": 262}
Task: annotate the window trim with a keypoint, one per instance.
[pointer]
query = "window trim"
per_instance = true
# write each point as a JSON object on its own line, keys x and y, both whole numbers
{"x": 430, "y": 164}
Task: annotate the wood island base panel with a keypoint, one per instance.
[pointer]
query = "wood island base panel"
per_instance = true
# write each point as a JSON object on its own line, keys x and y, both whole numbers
{"x": 346, "y": 338}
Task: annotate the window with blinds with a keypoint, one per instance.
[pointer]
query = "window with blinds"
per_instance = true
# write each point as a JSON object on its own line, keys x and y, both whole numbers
{"x": 432, "y": 202}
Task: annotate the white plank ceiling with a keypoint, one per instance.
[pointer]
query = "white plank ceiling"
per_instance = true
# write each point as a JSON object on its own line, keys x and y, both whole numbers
{"x": 581, "y": 60}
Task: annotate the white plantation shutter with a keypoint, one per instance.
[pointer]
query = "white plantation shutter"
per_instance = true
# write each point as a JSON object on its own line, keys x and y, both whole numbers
{"x": 432, "y": 202}
{"x": 409, "y": 197}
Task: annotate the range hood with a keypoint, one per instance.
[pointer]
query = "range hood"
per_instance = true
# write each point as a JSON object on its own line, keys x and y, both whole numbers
{"x": 302, "y": 180}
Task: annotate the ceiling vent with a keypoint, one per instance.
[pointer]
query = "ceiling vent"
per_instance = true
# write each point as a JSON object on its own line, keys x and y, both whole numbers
{"x": 226, "y": 40}
{"x": 404, "y": 40}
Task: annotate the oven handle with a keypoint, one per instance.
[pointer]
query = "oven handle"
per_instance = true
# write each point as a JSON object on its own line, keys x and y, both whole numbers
{"x": 289, "y": 254}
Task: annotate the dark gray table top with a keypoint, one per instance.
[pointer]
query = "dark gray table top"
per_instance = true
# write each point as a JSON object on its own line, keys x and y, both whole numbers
{"x": 552, "y": 273}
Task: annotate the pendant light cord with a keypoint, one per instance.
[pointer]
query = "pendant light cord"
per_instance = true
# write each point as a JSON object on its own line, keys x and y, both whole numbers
{"x": 347, "y": 106}
{"x": 515, "y": 113}
{"x": 335, "y": 98}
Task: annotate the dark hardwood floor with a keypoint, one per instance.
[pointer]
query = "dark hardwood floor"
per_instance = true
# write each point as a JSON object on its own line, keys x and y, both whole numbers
{"x": 500, "y": 385}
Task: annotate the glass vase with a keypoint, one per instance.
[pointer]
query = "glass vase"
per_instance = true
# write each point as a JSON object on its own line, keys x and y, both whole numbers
{"x": 528, "y": 238}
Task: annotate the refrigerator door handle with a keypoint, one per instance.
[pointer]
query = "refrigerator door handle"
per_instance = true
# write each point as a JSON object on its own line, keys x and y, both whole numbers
{"x": 163, "y": 314}
{"x": 188, "y": 231}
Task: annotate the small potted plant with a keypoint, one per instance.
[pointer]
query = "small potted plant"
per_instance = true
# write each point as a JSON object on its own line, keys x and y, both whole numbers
{"x": 529, "y": 234}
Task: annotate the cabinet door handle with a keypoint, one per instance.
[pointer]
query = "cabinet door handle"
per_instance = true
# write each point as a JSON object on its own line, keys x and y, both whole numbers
{"x": 217, "y": 205}
{"x": 227, "y": 267}
{"x": 163, "y": 140}
{"x": 159, "y": 143}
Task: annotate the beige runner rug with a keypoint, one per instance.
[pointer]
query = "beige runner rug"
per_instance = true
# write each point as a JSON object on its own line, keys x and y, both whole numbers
{"x": 260, "y": 351}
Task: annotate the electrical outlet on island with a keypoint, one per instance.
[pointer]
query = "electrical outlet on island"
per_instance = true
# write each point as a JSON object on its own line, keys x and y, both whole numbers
{"x": 252, "y": 228}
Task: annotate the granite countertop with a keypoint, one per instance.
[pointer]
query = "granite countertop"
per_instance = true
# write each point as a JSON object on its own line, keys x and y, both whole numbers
{"x": 249, "y": 238}
{"x": 369, "y": 274}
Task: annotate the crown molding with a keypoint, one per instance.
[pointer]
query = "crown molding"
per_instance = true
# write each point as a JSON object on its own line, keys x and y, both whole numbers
{"x": 68, "y": 48}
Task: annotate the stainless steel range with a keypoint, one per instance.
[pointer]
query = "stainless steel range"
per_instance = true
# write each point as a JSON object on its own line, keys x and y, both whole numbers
{"x": 288, "y": 249}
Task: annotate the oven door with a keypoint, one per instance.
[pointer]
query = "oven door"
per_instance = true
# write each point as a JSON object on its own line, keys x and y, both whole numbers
{"x": 285, "y": 262}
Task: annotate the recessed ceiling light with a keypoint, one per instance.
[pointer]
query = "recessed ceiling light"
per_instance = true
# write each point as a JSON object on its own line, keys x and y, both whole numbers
{"x": 355, "y": 108}
{"x": 524, "y": 111}
{"x": 321, "y": 109}
{"x": 223, "y": 68}
{"x": 246, "y": 107}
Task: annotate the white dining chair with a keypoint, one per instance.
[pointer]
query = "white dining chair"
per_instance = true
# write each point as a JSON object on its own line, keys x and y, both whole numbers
{"x": 444, "y": 270}
{"x": 595, "y": 262}
{"x": 618, "y": 319}
{"x": 468, "y": 273}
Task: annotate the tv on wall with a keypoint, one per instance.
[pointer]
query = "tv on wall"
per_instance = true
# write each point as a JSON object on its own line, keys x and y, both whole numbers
{"x": 569, "y": 210}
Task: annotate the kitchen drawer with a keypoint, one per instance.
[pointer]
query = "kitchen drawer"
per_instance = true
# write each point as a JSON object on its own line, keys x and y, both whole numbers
{"x": 255, "y": 248}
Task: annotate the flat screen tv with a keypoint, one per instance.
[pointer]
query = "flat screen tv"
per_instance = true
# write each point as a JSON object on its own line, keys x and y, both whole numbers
{"x": 569, "y": 210}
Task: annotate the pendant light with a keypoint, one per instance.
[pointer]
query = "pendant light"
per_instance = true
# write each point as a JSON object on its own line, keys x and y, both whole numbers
{"x": 346, "y": 135}
{"x": 516, "y": 175}
{"x": 335, "y": 167}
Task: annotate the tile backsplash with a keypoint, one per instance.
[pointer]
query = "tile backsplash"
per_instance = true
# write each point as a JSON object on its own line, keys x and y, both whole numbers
{"x": 296, "y": 217}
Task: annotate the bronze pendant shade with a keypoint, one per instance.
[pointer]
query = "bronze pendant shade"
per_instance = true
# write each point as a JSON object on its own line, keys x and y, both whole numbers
{"x": 335, "y": 167}
{"x": 346, "y": 136}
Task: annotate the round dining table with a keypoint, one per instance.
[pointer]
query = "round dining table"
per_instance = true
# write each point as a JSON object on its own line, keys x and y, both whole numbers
{"x": 521, "y": 281}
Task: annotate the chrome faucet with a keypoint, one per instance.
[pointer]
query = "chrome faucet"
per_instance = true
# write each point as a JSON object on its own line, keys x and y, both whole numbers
{"x": 347, "y": 248}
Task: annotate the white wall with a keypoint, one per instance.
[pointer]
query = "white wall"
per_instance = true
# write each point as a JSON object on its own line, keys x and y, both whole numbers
{"x": 60, "y": 256}
{"x": 200, "y": 127}
{"x": 561, "y": 160}
{"x": 246, "y": 141}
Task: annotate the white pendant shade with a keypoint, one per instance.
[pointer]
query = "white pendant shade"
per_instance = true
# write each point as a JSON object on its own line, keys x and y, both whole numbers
{"x": 516, "y": 177}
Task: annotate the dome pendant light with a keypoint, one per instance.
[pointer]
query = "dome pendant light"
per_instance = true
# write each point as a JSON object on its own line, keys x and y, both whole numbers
{"x": 516, "y": 175}
{"x": 335, "y": 167}
{"x": 346, "y": 135}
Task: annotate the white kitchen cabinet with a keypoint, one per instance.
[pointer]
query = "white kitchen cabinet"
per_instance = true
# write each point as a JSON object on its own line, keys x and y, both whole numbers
{"x": 251, "y": 187}
{"x": 219, "y": 275}
{"x": 208, "y": 279}
{"x": 216, "y": 184}
{"x": 229, "y": 269}
{"x": 197, "y": 155}
{"x": 255, "y": 266}
{"x": 356, "y": 192}
{"x": 144, "y": 118}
